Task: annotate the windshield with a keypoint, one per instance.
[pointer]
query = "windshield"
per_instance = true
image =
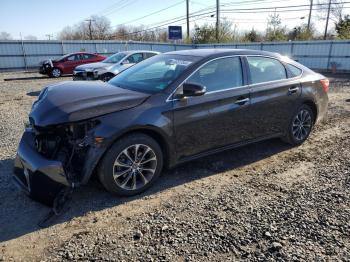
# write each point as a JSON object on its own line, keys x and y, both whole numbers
{"x": 114, "y": 58}
{"x": 154, "y": 74}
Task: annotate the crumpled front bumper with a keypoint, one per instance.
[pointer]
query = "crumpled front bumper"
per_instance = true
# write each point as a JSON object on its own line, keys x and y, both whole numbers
{"x": 39, "y": 177}
{"x": 85, "y": 75}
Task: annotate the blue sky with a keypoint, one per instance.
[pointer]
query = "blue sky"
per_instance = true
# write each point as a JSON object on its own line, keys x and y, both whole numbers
{"x": 41, "y": 17}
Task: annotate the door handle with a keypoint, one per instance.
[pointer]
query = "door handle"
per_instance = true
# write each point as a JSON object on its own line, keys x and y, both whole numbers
{"x": 293, "y": 90}
{"x": 242, "y": 101}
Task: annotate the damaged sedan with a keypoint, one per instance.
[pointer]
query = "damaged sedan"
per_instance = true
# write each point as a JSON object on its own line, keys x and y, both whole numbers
{"x": 166, "y": 110}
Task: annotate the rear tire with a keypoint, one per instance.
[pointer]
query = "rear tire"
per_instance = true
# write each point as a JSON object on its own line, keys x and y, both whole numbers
{"x": 124, "y": 173}
{"x": 300, "y": 126}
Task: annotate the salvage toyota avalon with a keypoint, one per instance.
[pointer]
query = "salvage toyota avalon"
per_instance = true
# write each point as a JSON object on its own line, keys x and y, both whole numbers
{"x": 166, "y": 110}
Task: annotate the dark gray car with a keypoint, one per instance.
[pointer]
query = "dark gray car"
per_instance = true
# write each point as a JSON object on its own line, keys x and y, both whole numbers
{"x": 166, "y": 110}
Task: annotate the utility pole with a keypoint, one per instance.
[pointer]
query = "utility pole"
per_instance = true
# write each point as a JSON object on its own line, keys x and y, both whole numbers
{"x": 49, "y": 36}
{"x": 328, "y": 12}
{"x": 309, "y": 20}
{"x": 90, "y": 29}
{"x": 188, "y": 18}
{"x": 217, "y": 19}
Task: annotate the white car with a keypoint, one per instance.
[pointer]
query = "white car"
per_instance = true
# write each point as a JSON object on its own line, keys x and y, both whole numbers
{"x": 111, "y": 66}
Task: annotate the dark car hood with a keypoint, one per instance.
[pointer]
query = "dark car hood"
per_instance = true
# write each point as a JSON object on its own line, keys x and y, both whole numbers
{"x": 79, "y": 100}
{"x": 93, "y": 66}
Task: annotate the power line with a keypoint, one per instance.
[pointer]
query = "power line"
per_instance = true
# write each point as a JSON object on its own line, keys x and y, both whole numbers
{"x": 277, "y": 7}
{"x": 119, "y": 8}
{"x": 269, "y": 11}
{"x": 201, "y": 12}
{"x": 155, "y": 12}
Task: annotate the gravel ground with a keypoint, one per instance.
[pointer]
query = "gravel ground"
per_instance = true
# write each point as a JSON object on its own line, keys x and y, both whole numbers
{"x": 265, "y": 201}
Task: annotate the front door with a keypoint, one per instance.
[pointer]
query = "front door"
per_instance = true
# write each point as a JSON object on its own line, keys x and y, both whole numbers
{"x": 217, "y": 118}
{"x": 71, "y": 62}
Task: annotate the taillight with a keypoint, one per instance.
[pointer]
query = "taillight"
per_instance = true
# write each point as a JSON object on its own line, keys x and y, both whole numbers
{"x": 325, "y": 84}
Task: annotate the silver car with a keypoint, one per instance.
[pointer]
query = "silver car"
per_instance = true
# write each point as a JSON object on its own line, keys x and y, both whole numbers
{"x": 111, "y": 66}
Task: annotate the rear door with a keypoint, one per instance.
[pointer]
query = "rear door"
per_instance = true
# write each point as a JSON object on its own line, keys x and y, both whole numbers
{"x": 217, "y": 118}
{"x": 274, "y": 96}
{"x": 88, "y": 58}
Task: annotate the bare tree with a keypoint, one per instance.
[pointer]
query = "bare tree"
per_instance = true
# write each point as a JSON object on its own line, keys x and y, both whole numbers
{"x": 336, "y": 10}
{"x": 5, "y": 36}
{"x": 100, "y": 29}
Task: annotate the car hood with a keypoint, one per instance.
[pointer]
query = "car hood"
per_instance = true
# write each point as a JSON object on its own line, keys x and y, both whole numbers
{"x": 79, "y": 100}
{"x": 92, "y": 66}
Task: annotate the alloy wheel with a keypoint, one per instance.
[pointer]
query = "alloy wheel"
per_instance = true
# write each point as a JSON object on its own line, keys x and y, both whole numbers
{"x": 302, "y": 124}
{"x": 56, "y": 72}
{"x": 134, "y": 167}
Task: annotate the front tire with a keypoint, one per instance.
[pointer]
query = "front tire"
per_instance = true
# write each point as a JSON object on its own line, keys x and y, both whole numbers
{"x": 106, "y": 77}
{"x": 131, "y": 165}
{"x": 56, "y": 72}
{"x": 300, "y": 126}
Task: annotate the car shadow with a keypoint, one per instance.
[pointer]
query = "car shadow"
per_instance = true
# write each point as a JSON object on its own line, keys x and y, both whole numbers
{"x": 33, "y": 93}
{"x": 21, "y": 215}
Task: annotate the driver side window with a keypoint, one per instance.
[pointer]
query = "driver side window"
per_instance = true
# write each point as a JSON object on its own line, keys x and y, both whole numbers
{"x": 73, "y": 58}
{"x": 220, "y": 74}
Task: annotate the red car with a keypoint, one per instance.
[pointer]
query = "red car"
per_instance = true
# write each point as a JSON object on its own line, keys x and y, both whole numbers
{"x": 66, "y": 64}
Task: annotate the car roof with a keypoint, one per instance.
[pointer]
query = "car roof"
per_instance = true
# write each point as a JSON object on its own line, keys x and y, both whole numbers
{"x": 139, "y": 51}
{"x": 207, "y": 52}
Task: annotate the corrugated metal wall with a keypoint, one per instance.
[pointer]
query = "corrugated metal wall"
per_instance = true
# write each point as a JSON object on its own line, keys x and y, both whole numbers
{"x": 314, "y": 54}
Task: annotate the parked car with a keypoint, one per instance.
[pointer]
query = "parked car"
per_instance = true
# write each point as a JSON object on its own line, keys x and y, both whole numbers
{"x": 65, "y": 64}
{"x": 166, "y": 110}
{"x": 111, "y": 66}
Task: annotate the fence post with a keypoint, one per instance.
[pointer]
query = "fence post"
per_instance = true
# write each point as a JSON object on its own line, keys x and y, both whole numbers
{"x": 24, "y": 55}
{"x": 62, "y": 47}
{"x": 329, "y": 54}
{"x": 96, "y": 48}
{"x": 261, "y": 45}
{"x": 292, "y": 50}
{"x": 151, "y": 46}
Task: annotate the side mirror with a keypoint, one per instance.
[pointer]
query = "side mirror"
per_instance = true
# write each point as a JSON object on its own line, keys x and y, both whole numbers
{"x": 190, "y": 89}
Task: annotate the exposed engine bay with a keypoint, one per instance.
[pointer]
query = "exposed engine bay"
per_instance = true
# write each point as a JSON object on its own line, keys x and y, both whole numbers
{"x": 66, "y": 143}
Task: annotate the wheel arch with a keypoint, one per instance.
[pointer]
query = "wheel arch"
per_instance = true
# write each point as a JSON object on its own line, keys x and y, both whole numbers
{"x": 153, "y": 132}
{"x": 313, "y": 107}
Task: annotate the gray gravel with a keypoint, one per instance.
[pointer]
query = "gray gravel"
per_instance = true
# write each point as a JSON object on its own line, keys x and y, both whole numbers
{"x": 262, "y": 202}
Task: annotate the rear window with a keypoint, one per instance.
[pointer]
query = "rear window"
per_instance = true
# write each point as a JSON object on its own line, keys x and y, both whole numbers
{"x": 293, "y": 70}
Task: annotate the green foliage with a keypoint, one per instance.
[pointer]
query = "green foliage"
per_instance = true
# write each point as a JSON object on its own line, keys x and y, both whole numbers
{"x": 302, "y": 33}
{"x": 207, "y": 33}
{"x": 252, "y": 36}
{"x": 275, "y": 31}
{"x": 343, "y": 28}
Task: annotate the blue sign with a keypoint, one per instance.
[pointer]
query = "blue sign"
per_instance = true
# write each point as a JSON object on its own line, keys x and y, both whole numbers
{"x": 174, "y": 32}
